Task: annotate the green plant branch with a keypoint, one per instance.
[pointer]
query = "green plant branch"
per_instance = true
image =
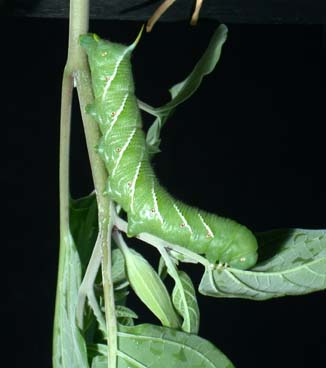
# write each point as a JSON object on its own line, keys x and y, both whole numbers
{"x": 86, "y": 289}
{"x": 65, "y": 117}
{"x": 147, "y": 108}
{"x": 76, "y": 73}
{"x": 83, "y": 84}
{"x": 159, "y": 243}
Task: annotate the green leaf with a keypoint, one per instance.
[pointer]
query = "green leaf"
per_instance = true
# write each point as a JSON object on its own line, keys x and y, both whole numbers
{"x": 291, "y": 262}
{"x": 149, "y": 287}
{"x": 125, "y": 315}
{"x": 123, "y": 311}
{"x": 120, "y": 296}
{"x": 118, "y": 267}
{"x": 146, "y": 345}
{"x": 162, "y": 269}
{"x": 183, "y": 90}
{"x": 100, "y": 362}
{"x": 183, "y": 295}
{"x": 69, "y": 349}
{"x": 84, "y": 226}
{"x": 153, "y": 139}
{"x": 185, "y": 301}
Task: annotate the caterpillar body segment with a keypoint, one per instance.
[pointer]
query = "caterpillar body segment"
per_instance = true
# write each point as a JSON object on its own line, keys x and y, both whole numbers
{"x": 132, "y": 182}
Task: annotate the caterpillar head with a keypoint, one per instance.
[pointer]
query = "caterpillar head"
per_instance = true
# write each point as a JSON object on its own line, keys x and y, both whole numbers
{"x": 244, "y": 261}
{"x": 243, "y": 250}
{"x": 237, "y": 248}
{"x": 109, "y": 64}
{"x": 103, "y": 50}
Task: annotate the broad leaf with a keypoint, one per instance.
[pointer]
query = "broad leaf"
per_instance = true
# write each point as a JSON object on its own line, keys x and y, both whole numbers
{"x": 183, "y": 90}
{"x": 185, "y": 301}
{"x": 145, "y": 346}
{"x": 291, "y": 262}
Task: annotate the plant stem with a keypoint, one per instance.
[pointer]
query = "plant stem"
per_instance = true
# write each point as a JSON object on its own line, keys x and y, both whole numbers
{"x": 65, "y": 115}
{"x": 159, "y": 243}
{"x": 83, "y": 84}
{"x": 77, "y": 72}
{"x": 86, "y": 289}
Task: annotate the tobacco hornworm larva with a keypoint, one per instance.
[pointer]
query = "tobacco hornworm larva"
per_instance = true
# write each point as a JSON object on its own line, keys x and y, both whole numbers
{"x": 132, "y": 181}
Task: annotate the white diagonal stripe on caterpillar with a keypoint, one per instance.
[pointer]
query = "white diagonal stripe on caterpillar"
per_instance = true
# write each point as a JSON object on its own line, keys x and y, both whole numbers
{"x": 114, "y": 120}
{"x": 100, "y": 119}
{"x": 116, "y": 137}
{"x": 107, "y": 157}
{"x": 185, "y": 223}
{"x": 122, "y": 151}
{"x": 210, "y": 233}
{"x": 157, "y": 211}
{"x": 115, "y": 71}
{"x": 133, "y": 185}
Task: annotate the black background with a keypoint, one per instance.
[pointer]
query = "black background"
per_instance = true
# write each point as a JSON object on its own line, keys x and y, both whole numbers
{"x": 249, "y": 144}
{"x": 227, "y": 11}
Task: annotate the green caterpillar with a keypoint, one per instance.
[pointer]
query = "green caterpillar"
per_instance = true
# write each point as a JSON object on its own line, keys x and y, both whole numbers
{"x": 132, "y": 182}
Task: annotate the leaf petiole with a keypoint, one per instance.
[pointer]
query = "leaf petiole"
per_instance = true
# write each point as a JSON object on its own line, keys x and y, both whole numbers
{"x": 86, "y": 289}
{"x": 160, "y": 243}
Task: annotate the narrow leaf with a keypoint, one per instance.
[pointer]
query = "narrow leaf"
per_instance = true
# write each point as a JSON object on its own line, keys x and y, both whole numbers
{"x": 185, "y": 301}
{"x": 69, "y": 349}
{"x": 118, "y": 267}
{"x": 125, "y": 315}
{"x": 149, "y": 287}
{"x": 120, "y": 296}
{"x": 183, "y": 90}
{"x": 84, "y": 226}
{"x": 123, "y": 311}
{"x": 292, "y": 262}
{"x": 162, "y": 269}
